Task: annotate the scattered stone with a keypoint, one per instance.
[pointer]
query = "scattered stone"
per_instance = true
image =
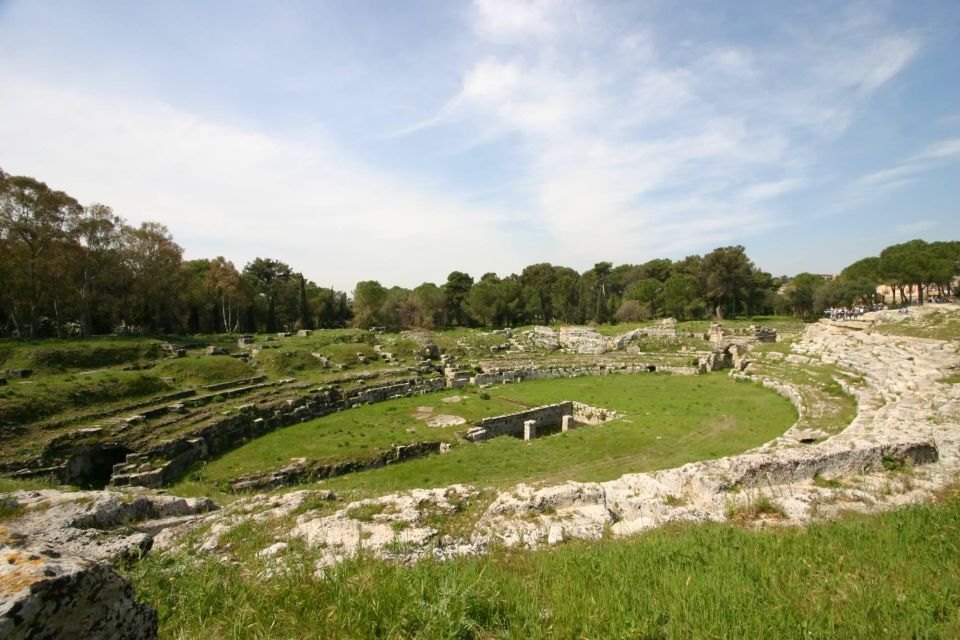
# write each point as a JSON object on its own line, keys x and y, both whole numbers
{"x": 443, "y": 420}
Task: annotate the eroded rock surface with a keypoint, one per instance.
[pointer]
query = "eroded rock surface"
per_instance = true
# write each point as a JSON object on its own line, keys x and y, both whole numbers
{"x": 46, "y": 594}
{"x": 98, "y": 525}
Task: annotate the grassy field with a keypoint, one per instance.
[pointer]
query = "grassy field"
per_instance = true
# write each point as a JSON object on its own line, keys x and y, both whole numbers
{"x": 893, "y": 575}
{"x": 669, "y": 420}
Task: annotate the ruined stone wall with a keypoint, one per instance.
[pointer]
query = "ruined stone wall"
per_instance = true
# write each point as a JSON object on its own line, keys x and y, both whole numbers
{"x": 230, "y": 432}
{"x": 537, "y": 373}
{"x": 512, "y": 423}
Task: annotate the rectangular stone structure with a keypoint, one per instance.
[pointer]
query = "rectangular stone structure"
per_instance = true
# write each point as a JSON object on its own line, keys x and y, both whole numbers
{"x": 567, "y": 422}
{"x": 529, "y": 430}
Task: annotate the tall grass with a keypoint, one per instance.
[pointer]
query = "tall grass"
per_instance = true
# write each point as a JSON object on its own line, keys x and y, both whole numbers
{"x": 895, "y": 575}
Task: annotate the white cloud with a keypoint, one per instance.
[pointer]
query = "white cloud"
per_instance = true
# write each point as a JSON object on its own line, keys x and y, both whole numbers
{"x": 510, "y": 19}
{"x": 884, "y": 181}
{"x": 612, "y": 132}
{"x": 915, "y": 227}
{"x": 769, "y": 190}
{"x": 237, "y": 192}
{"x": 943, "y": 149}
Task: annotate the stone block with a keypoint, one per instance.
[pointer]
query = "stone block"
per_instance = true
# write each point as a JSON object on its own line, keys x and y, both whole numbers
{"x": 529, "y": 430}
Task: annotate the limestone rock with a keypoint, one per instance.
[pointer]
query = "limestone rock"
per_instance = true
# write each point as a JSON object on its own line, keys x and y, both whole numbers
{"x": 99, "y": 525}
{"x": 45, "y": 594}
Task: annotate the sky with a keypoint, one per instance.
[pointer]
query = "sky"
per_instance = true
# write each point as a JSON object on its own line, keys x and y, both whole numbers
{"x": 399, "y": 141}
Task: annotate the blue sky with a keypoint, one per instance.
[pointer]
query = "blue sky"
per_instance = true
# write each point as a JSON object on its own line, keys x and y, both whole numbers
{"x": 401, "y": 140}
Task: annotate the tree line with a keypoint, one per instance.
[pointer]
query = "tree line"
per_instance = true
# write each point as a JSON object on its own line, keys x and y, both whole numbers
{"x": 911, "y": 272}
{"x": 68, "y": 269}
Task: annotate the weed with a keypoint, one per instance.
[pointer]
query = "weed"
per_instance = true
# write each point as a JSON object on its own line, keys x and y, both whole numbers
{"x": 365, "y": 512}
{"x": 757, "y": 507}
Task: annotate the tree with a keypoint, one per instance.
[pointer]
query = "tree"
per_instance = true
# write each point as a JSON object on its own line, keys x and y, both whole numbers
{"x": 33, "y": 218}
{"x": 648, "y": 293}
{"x": 681, "y": 297}
{"x": 726, "y": 279}
{"x": 225, "y": 285}
{"x": 303, "y": 304}
{"x": 99, "y": 236}
{"x": 368, "y": 298}
{"x": 153, "y": 260}
{"x": 430, "y": 303}
{"x": 484, "y": 299}
{"x": 455, "y": 292}
{"x": 800, "y": 294}
{"x": 270, "y": 280}
{"x": 540, "y": 279}
{"x": 601, "y": 272}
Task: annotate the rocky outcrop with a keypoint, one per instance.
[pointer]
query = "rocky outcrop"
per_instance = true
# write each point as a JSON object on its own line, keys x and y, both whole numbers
{"x": 98, "y": 525}
{"x": 587, "y": 340}
{"x": 47, "y": 594}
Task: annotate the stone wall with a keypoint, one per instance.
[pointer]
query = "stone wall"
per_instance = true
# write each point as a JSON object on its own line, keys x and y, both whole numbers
{"x": 304, "y": 471}
{"x": 168, "y": 460}
{"x": 499, "y": 376}
{"x": 512, "y": 423}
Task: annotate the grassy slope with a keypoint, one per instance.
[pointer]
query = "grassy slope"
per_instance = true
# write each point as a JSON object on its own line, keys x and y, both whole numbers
{"x": 894, "y": 575}
{"x": 670, "y": 420}
{"x": 57, "y": 356}
{"x": 26, "y": 401}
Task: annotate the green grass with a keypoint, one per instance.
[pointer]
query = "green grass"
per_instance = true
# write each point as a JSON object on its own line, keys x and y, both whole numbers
{"x": 59, "y": 356}
{"x": 204, "y": 369}
{"x": 35, "y": 399}
{"x": 353, "y": 434}
{"x": 830, "y": 408}
{"x": 9, "y": 485}
{"x": 754, "y": 508}
{"x": 894, "y": 575}
{"x": 670, "y": 420}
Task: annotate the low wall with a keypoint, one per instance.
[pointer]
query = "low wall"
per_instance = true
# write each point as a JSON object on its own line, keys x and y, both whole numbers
{"x": 222, "y": 435}
{"x": 550, "y": 415}
{"x": 534, "y": 373}
{"x": 306, "y": 472}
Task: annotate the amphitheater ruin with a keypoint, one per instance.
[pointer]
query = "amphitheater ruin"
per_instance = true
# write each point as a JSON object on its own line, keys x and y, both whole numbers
{"x": 907, "y": 416}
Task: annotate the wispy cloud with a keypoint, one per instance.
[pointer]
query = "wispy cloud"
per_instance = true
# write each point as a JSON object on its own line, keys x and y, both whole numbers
{"x": 919, "y": 226}
{"x": 928, "y": 158}
{"x": 241, "y": 193}
{"x": 617, "y": 134}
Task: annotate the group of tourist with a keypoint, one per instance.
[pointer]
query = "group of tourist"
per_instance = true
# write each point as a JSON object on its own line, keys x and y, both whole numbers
{"x": 844, "y": 313}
